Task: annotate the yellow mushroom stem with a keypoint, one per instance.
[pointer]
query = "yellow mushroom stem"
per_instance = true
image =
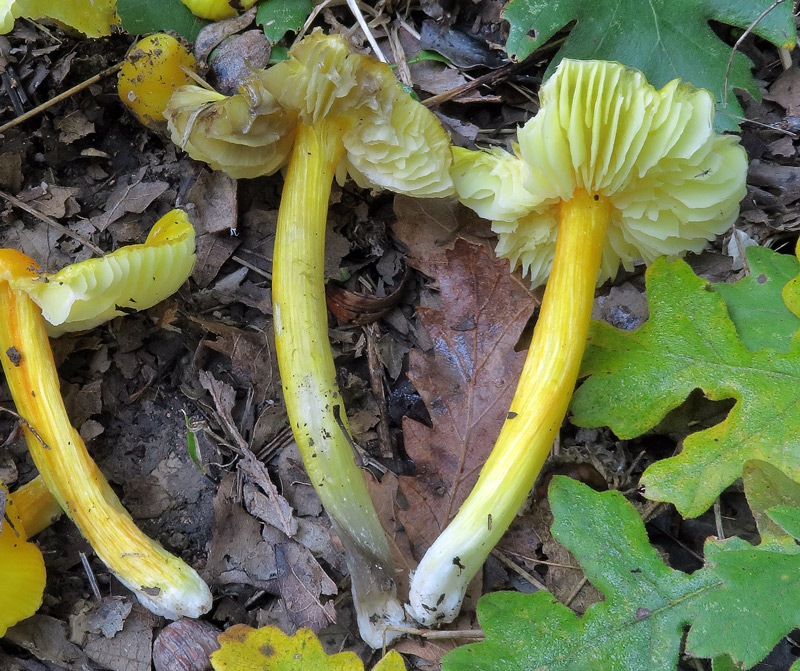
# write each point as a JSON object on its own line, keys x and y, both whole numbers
{"x": 36, "y": 506}
{"x": 537, "y": 411}
{"x": 313, "y": 401}
{"x": 161, "y": 581}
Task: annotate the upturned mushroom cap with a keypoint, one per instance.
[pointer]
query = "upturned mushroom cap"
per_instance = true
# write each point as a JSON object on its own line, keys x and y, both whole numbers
{"x": 390, "y": 140}
{"x": 246, "y": 135}
{"x": 673, "y": 182}
{"x": 135, "y": 277}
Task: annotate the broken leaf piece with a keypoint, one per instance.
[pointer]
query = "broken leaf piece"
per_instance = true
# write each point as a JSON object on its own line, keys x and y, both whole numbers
{"x": 21, "y": 567}
{"x": 689, "y": 342}
{"x": 729, "y": 604}
{"x": 135, "y": 277}
{"x": 94, "y": 18}
{"x": 269, "y": 649}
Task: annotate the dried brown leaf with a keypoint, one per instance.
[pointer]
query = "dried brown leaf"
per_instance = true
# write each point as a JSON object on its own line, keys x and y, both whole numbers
{"x": 429, "y": 227}
{"x": 132, "y": 195}
{"x": 467, "y": 385}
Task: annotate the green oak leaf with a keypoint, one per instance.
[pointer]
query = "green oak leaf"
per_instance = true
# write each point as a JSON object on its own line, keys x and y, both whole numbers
{"x": 664, "y": 39}
{"x": 647, "y": 606}
{"x": 690, "y": 342}
{"x": 755, "y": 303}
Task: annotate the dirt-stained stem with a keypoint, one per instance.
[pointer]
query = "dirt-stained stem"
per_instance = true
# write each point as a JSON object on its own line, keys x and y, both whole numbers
{"x": 537, "y": 410}
{"x": 313, "y": 401}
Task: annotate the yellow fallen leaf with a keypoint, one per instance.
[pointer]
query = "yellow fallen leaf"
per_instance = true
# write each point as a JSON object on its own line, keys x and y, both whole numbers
{"x": 94, "y": 18}
{"x": 269, "y": 649}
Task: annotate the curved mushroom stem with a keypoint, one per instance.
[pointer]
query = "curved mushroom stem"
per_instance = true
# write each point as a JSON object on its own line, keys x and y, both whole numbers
{"x": 161, "y": 581}
{"x": 537, "y": 411}
{"x": 36, "y": 506}
{"x": 313, "y": 401}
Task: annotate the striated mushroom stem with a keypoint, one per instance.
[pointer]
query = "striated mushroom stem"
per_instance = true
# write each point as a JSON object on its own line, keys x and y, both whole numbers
{"x": 36, "y": 506}
{"x": 313, "y": 401}
{"x": 537, "y": 410}
{"x": 161, "y": 581}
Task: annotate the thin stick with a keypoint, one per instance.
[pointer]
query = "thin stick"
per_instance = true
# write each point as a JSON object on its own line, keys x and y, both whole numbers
{"x": 92, "y": 579}
{"x": 518, "y": 569}
{"x": 490, "y": 78}
{"x": 356, "y": 10}
{"x": 61, "y": 96}
{"x": 16, "y": 202}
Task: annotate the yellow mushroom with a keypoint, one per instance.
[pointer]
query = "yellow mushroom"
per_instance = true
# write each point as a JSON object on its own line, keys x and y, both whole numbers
{"x": 152, "y": 71}
{"x": 330, "y": 113}
{"x": 94, "y": 18}
{"x": 610, "y": 171}
{"x": 216, "y": 10}
{"x": 161, "y": 581}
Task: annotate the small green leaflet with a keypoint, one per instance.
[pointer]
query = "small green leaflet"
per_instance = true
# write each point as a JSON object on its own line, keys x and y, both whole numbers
{"x": 690, "y": 342}
{"x": 729, "y": 605}
{"x": 139, "y": 17}
{"x": 278, "y": 17}
{"x": 664, "y": 39}
{"x": 755, "y": 303}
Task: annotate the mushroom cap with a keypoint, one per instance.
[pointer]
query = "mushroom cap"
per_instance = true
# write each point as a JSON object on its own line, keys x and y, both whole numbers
{"x": 672, "y": 181}
{"x": 246, "y": 135}
{"x": 22, "y": 568}
{"x": 151, "y": 72}
{"x": 390, "y": 140}
{"x": 135, "y": 277}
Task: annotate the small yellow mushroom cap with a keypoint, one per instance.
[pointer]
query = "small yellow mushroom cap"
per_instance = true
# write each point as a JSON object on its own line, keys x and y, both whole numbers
{"x": 94, "y": 18}
{"x": 153, "y": 70}
{"x": 673, "y": 183}
{"x": 134, "y": 277}
{"x": 21, "y": 567}
{"x": 390, "y": 140}
{"x": 246, "y": 135}
{"x": 216, "y": 10}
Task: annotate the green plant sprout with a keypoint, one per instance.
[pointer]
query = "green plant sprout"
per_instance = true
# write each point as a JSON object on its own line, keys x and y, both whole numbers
{"x": 609, "y": 171}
